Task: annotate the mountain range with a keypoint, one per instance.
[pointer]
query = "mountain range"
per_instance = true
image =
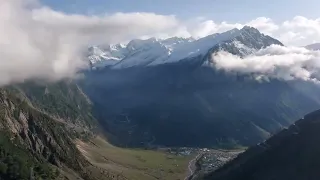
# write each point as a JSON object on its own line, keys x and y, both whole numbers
{"x": 152, "y": 52}
{"x": 160, "y": 88}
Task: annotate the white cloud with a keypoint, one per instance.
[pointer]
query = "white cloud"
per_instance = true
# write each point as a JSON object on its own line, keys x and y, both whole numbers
{"x": 280, "y": 62}
{"x": 306, "y": 30}
{"x": 38, "y": 42}
{"x": 264, "y": 24}
{"x": 107, "y": 28}
{"x": 200, "y": 29}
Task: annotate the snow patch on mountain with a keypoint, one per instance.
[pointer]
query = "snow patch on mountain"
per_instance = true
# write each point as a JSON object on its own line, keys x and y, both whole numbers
{"x": 102, "y": 56}
{"x": 244, "y": 50}
{"x": 197, "y": 48}
{"x": 144, "y": 52}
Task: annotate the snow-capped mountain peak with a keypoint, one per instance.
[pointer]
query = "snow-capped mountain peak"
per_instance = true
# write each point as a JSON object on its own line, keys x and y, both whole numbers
{"x": 153, "y": 51}
{"x": 247, "y": 41}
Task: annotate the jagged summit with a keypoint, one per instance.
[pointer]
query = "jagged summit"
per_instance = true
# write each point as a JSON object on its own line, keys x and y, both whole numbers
{"x": 244, "y": 42}
{"x": 250, "y": 28}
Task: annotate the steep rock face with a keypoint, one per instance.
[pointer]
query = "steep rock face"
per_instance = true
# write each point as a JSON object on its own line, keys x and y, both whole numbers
{"x": 63, "y": 100}
{"x": 37, "y": 136}
{"x": 293, "y": 153}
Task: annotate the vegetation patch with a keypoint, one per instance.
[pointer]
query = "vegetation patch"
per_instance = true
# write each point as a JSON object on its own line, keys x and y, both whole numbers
{"x": 135, "y": 163}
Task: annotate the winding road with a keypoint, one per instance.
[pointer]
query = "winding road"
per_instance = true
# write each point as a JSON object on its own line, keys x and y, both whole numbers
{"x": 192, "y": 166}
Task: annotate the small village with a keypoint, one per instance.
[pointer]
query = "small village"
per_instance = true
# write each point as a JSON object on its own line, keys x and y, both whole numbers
{"x": 213, "y": 159}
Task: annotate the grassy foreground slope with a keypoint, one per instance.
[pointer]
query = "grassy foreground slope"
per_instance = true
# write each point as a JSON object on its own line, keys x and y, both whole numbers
{"x": 134, "y": 163}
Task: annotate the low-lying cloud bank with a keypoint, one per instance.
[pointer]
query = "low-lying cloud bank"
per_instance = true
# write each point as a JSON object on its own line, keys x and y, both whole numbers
{"x": 285, "y": 63}
{"x": 38, "y": 42}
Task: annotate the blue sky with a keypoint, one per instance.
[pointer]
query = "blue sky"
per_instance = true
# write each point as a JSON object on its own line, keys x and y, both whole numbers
{"x": 218, "y": 10}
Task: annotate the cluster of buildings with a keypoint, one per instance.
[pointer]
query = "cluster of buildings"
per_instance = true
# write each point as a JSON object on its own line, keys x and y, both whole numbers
{"x": 213, "y": 159}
